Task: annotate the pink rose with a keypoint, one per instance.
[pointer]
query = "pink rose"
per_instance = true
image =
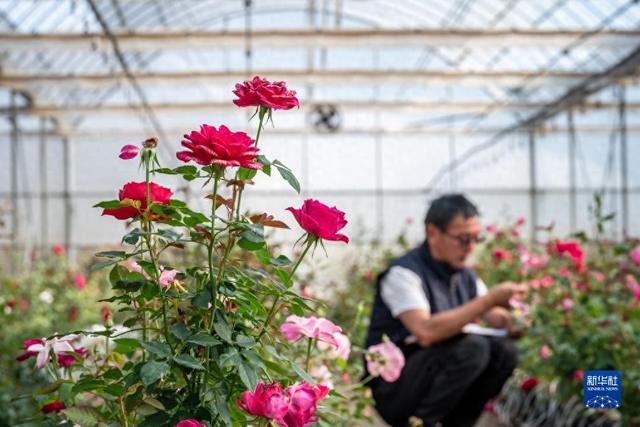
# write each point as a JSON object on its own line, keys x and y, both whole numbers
{"x": 303, "y": 400}
{"x": 545, "y": 352}
{"x": 129, "y": 152}
{"x": 341, "y": 350}
{"x": 320, "y": 220}
{"x": 491, "y": 228}
{"x": 268, "y": 400}
{"x": 80, "y": 281}
{"x": 58, "y": 249}
{"x": 598, "y": 276}
{"x": 190, "y": 423}
{"x": 167, "y": 277}
{"x": 546, "y": 281}
{"x": 635, "y": 255}
{"x": 636, "y": 293}
{"x": 261, "y": 92}
{"x": 296, "y": 327}
{"x": 567, "y": 304}
{"x": 220, "y": 147}
{"x": 135, "y": 193}
{"x": 520, "y": 221}
{"x": 385, "y": 360}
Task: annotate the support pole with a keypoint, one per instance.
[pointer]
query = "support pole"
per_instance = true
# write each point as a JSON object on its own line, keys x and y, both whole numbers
{"x": 573, "y": 198}
{"x": 66, "y": 195}
{"x": 533, "y": 184}
{"x": 44, "y": 193}
{"x": 624, "y": 176}
{"x": 13, "y": 166}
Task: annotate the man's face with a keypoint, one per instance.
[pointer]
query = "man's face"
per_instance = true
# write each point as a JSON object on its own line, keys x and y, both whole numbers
{"x": 457, "y": 243}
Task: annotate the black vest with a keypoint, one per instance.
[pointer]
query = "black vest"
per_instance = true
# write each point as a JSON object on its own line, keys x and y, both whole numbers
{"x": 444, "y": 286}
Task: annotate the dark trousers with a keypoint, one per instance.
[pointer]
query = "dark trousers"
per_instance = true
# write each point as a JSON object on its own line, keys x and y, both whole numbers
{"x": 448, "y": 382}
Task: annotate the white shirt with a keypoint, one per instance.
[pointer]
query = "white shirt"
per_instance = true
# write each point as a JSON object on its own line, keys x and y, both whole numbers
{"x": 401, "y": 290}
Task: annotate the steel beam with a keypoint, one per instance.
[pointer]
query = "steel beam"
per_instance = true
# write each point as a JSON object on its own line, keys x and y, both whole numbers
{"x": 168, "y": 39}
{"x": 48, "y": 109}
{"x": 111, "y": 134}
{"x": 23, "y": 81}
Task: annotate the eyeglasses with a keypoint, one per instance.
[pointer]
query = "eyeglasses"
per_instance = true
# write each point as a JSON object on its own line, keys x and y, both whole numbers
{"x": 465, "y": 239}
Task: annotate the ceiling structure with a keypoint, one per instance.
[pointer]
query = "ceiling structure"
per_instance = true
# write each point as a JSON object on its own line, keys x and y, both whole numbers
{"x": 94, "y": 70}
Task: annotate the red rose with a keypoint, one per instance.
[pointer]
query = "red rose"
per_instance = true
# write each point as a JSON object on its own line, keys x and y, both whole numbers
{"x": 320, "y": 220}
{"x": 573, "y": 250}
{"x": 57, "y": 249}
{"x": 55, "y": 406}
{"x": 135, "y": 192}
{"x": 220, "y": 147}
{"x": 529, "y": 384}
{"x": 263, "y": 93}
{"x": 502, "y": 255}
{"x": 190, "y": 423}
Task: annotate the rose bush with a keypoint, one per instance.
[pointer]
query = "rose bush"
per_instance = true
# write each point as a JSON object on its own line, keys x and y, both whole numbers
{"x": 582, "y": 312}
{"x": 212, "y": 323}
{"x": 46, "y": 295}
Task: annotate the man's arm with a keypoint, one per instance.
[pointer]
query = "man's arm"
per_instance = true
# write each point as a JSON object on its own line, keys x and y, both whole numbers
{"x": 429, "y": 329}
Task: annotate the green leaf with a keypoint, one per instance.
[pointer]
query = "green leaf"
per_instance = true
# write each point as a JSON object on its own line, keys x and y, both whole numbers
{"x": 302, "y": 373}
{"x": 249, "y": 245}
{"x": 115, "y": 389}
{"x": 152, "y": 371}
{"x": 151, "y": 401}
{"x": 280, "y": 261}
{"x": 126, "y": 345}
{"x": 253, "y": 357}
{"x": 158, "y": 348}
{"x": 204, "y": 340}
{"x": 108, "y": 204}
{"x": 84, "y": 416}
{"x": 266, "y": 164}
{"x": 112, "y": 254}
{"x": 181, "y": 331}
{"x": 87, "y": 385}
{"x": 229, "y": 358}
{"x": 202, "y": 299}
{"x": 222, "y": 329}
{"x": 133, "y": 236}
{"x": 188, "y": 361}
{"x": 288, "y": 176}
{"x": 186, "y": 170}
{"x": 244, "y": 173}
{"x": 49, "y": 388}
{"x": 245, "y": 341}
{"x": 165, "y": 171}
{"x": 102, "y": 264}
{"x": 223, "y": 410}
{"x": 248, "y": 375}
{"x": 254, "y": 233}
{"x": 283, "y": 276}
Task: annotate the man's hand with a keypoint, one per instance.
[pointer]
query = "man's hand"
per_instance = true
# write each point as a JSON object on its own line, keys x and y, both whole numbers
{"x": 502, "y": 293}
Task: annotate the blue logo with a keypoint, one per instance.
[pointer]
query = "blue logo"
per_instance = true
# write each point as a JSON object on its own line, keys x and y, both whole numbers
{"x": 602, "y": 389}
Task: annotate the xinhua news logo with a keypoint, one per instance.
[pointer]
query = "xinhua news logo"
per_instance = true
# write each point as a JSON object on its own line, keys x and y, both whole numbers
{"x": 602, "y": 389}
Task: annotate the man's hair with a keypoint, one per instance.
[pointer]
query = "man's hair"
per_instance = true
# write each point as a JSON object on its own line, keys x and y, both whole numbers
{"x": 445, "y": 208}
